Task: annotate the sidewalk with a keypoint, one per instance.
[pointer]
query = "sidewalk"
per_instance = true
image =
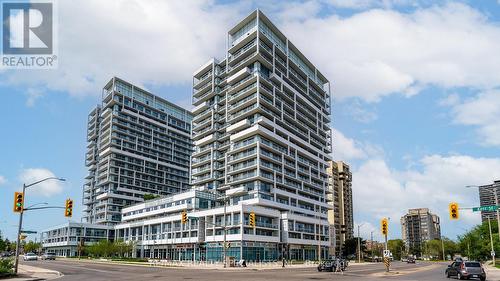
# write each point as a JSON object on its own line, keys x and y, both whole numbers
{"x": 31, "y": 273}
{"x": 492, "y": 273}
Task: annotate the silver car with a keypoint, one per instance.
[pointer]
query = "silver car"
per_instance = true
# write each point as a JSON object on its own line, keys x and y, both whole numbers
{"x": 49, "y": 256}
{"x": 466, "y": 270}
{"x": 30, "y": 257}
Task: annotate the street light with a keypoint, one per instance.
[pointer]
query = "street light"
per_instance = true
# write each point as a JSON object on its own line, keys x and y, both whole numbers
{"x": 25, "y": 186}
{"x": 228, "y": 194}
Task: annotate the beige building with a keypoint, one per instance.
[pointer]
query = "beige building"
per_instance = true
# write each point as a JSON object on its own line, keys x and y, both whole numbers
{"x": 417, "y": 227}
{"x": 341, "y": 216}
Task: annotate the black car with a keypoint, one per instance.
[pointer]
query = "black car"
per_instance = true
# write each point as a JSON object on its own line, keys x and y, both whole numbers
{"x": 327, "y": 265}
{"x": 410, "y": 260}
{"x": 466, "y": 270}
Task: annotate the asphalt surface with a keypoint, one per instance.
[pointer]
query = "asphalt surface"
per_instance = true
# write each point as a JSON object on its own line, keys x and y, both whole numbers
{"x": 86, "y": 271}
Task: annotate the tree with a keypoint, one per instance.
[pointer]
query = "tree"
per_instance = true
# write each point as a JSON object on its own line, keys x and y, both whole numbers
{"x": 432, "y": 249}
{"x": 32, "y": 247}
{"x": 105, "y": 248}
{"x": 397, "y": 248}
{"x": 149, "y": 196}
{"x": 351, "y": 246}
{"x": 476, "y": 243}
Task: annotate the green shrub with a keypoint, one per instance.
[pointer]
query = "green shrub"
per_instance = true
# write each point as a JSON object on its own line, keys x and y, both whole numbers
{"x": 6, "y": 266}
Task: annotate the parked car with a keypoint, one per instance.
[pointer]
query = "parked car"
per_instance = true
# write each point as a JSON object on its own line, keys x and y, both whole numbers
{"x": 326, "y": 265}
{"x": 410, "y": 260}
{"x": 30, "y": 257}
{"x": 466, "y": 270}
{"x": 49, "y": 256}
{"x": 5, "y": 255}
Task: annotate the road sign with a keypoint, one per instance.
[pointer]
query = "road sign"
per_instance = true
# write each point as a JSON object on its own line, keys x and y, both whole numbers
{"x": 492, "y": 253}
{"x": 485, "y": 208}
{"x": 28, "y": 232}
{"x": 387, "y": 254}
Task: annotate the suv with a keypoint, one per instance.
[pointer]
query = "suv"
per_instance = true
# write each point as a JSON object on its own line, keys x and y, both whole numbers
{"x": 410, "y": 259}
{"x": 466, "y": 270}
{"x": 49, "y": 256}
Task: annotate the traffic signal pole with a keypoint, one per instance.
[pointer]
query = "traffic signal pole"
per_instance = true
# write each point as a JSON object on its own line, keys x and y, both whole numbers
{"x": 16, "y": 264}
{"x": 387, "y": 262}
{"x": 19, "y": 229}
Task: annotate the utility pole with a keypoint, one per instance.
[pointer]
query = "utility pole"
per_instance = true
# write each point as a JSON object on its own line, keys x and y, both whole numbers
{"x": 371, "y": 246}
{"x": 442, "y": 247}
{"x": 491, "y": 241}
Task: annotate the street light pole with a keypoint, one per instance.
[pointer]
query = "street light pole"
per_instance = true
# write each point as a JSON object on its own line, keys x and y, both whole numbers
{"x": 19, "y": 229}
{"x": 491, "y": 242}
{"x": 359, "y": 244}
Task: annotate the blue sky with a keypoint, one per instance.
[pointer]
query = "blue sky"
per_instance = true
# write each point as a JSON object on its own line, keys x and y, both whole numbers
{"x": 415, "y": 86}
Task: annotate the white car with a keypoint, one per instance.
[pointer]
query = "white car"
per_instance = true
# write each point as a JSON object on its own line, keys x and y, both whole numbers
{"x": 30, "y": 257}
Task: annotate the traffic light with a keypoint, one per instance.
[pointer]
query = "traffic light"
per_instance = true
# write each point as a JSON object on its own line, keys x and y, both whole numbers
{"x": 252, "y": 219}
{"x": 384, "y": 226}
{"x": 18, "y": 202}
{"x": 453, "y": 207}
{"x": 68, "y": 211}
{"x": 184, "y": 217}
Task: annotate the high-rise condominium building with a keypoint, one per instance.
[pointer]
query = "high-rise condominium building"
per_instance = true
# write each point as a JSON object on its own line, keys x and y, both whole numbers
{"x": 487, "y": 198}
{"x": 417, "y": 227}
{"x": 138, "y": 144}
{"x": 340, "y": 216}
{"x": 262, "y": 127}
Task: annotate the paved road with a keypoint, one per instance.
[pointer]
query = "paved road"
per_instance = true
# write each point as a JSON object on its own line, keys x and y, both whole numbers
{"x": 84, "y": 271}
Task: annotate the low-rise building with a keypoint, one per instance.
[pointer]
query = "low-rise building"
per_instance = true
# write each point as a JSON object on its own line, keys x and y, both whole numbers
{"x": 156, "y": 230}
{"x": 63, "y": 240}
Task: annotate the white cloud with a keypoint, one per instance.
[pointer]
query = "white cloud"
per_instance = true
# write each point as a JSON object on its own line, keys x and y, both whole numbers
{"x": 376, "y": 53}
{"x": 370, "y": 54}
{"x": 353, "y": 4}
{"x": 379, "y": 191}
{"x": 359, "y": 111}
{"x": 365, "y": 230}
{"x": 46, "y": 188}
{"x": 450, "y": 100}
{"x": 3, "y": 180}
{"x": 346, "y": 149}
{"x": 158, "y": 42}
{"x": 483, "y": 112}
